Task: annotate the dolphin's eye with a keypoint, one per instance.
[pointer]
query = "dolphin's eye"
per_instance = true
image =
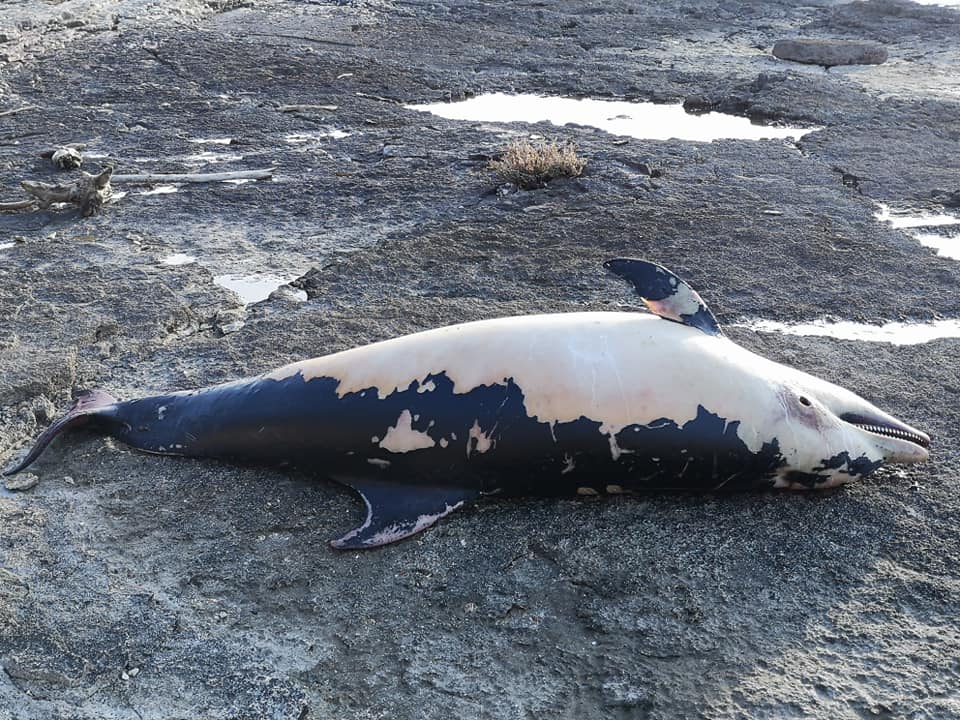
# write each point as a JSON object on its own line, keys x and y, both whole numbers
{"x": 804, "y": 401}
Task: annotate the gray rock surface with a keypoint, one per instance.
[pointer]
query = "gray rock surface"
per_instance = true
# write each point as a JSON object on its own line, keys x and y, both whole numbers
{"x": 215, "y": 582}
{"x": 830, "y": 53}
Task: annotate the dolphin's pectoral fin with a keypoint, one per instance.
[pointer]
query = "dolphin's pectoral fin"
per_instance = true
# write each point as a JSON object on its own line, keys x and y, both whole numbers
{"x": 665, "y": 294}
{"x": 396, "y": 511}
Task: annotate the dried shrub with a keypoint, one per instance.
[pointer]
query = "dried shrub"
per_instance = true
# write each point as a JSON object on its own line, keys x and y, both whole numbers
{"x": 530, "y": 166}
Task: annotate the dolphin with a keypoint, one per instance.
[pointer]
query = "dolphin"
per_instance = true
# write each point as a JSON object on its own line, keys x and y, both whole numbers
{"x": 557, "y": 404}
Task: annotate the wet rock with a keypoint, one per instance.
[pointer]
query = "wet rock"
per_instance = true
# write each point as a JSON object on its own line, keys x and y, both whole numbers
{"x": 649, "y": 168}
{"x": 763, "y": 81}
{"x": 947, "y": 198}
{"x": 23, "y": 481}
{"x": 389, "y": 151}
{"x": 696, "y": 104}
{"x": 830, "y": 53}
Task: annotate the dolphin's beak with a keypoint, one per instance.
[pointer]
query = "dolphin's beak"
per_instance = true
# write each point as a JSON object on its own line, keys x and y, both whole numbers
{"x": 899, "y": 442}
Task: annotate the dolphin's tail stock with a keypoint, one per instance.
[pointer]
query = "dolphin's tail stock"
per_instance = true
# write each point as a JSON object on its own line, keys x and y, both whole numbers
{"x": 89, "y": 406}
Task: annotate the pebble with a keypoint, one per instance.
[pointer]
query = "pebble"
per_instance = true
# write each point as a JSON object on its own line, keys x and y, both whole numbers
{"x": 231, "y": 327}
{"x": 23, "y": 481}
{"x": 830, "y": 52}
{"x": 66, "y": 158}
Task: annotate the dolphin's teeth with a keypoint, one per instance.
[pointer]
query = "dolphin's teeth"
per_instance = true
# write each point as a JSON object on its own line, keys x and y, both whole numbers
{"x": 893, "y": 432}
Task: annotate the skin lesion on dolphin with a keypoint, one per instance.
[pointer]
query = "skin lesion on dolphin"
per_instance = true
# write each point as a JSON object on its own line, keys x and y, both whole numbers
{"x": 477, "y": 440}
{"x": 402, "y": 438}
{"x": 832, "y": 472}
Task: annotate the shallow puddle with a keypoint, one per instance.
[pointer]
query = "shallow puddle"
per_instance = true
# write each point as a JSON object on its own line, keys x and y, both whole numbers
{"x": 160, "y": 190}
{"x": 946, "y": 245}
{"x": 178, "y": 259}
{"x": 902, "y": 219}
{"x": 895, "y": 333}
{"x": 922, "y": 227}
{"x": 250, "y": 287}
{"x": 646, "y": 120}
{"x": 210, "y": 157}
{"x": 254, "y": 288}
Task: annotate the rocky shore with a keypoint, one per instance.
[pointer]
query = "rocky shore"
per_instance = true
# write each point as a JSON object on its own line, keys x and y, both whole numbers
{"x": 141, "y": 587}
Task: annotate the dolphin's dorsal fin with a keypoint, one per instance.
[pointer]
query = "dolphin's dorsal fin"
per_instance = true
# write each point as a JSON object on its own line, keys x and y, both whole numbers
{"x": 665, "y": 294}
{"x": 397, "y": 510}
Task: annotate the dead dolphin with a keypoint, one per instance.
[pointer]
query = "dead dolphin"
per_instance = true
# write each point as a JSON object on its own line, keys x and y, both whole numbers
{"x": 588, "y": 403}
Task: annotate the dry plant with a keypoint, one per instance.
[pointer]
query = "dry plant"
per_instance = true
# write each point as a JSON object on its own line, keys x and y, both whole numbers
{"x": 531, "y": 166}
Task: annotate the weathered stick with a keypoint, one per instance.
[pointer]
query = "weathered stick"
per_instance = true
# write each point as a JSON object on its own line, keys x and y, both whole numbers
{"x": 16, "y": 205}
{"x": 306, "y": 108}
{"x": 380, "y": 98}
{"x": 90, "y": 192}
{"x": 17, "y": 110}
{"x": 195, "y": 177}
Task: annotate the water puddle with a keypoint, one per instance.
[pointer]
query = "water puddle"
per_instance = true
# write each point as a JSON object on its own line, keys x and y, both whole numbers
{"x": 250, "y": 287}
{"x": 297, "y": 138}
{"x": 208, "y": 157}
{"x": 945, "y": 244}
{"x": 256, "y": 287}
{"x": 645, "y": 120}
{"x": 901, "y": 219}
{"x": 178, "y": 259}
{"x": 925, "y": 228}
{"x": 160, "y": 190}
{"x": 895, "y": 333}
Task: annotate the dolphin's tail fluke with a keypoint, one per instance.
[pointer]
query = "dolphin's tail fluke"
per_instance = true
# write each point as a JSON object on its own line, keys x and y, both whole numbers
{"x": 87, "y": 407}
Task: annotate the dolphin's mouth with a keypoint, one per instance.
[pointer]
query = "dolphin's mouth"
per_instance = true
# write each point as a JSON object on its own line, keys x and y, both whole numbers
{"x": 879, "y": 428}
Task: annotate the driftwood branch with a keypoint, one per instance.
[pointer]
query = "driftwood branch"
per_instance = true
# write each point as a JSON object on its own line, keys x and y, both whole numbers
{"x": 149, "y": 178}
{"x": 17, "y": 110}
{"x": 306, "y": 108}
{"x": 16, "y": 205}
{"x": 90, "y": 192}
